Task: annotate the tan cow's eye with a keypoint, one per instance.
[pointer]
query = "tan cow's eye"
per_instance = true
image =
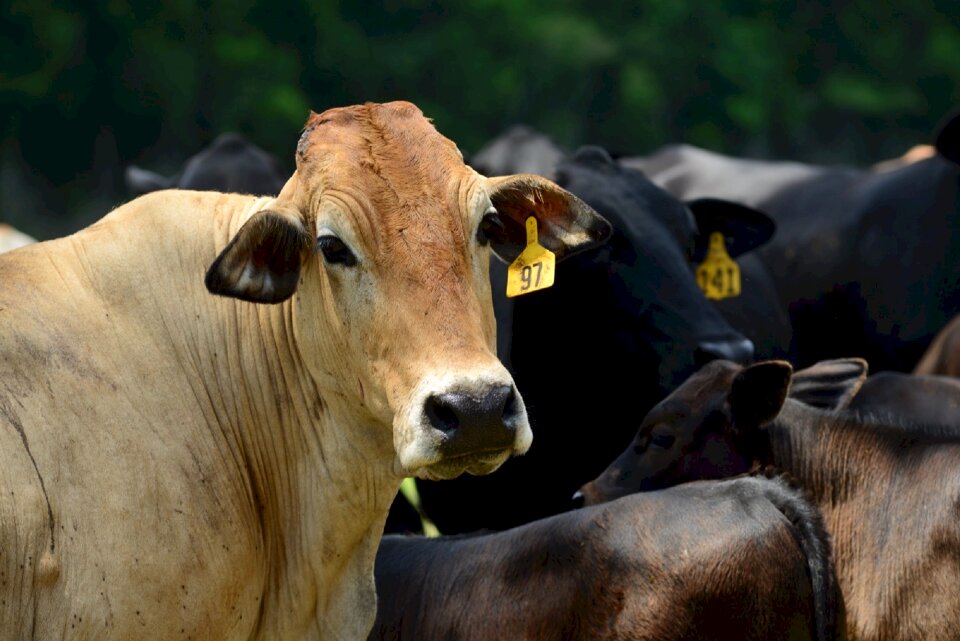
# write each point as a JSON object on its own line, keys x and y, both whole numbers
{"x": 335, "y": 251}
{"x": 490, "y": 226}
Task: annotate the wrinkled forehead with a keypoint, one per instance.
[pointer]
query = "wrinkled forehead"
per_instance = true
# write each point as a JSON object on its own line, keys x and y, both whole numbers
{"x": 375, "y": 148}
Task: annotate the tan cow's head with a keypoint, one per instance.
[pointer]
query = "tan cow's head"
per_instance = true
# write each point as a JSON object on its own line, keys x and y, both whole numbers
{"x": 381, "y": 240}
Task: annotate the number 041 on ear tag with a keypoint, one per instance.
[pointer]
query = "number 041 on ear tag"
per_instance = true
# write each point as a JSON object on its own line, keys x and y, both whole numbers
{"x": 718, "y": 275}
{"x": 533, "y": 268}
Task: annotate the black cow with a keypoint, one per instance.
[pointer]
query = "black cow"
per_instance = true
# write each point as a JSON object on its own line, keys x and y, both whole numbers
{"x": 867, "y": 260}
{"x": 741, "y": 559}
{"x": 518, "y": 150}
{"x": 621, "y": 326}
{"x": 889, "y": 491}
{"x": 231, "y": 163}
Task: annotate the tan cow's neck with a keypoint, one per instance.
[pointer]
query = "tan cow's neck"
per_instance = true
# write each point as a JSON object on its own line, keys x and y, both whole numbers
{"x": 290, "y": 452}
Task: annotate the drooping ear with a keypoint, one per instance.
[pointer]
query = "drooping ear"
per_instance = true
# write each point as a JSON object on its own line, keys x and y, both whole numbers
{"x": 743, "y": 228}
{"x": 262, "y": 262}
{"x": 142, "y": 181}
{"x": 566, "y": 224}
{"x": 948, "y": 139}
{"x": 758, "y": 393}
{"x": 829, "y": 384}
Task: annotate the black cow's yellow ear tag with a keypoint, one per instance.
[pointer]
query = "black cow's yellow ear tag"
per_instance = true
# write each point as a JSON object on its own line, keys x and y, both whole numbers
{"x": 533, "y": 268}
{"x": 718, "y": 275}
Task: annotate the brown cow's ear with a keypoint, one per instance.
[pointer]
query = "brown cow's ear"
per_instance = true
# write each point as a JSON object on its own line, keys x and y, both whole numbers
{"x": 566, "y": 224}
{"x": 262, "y": 262}
{"x": 829, "y": 384}
{"x": 758, "y": 393}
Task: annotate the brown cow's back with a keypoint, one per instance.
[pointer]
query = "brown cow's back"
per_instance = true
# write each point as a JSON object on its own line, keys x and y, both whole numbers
{"x": 889, "y": 490}
{"x": 702, "y": 561}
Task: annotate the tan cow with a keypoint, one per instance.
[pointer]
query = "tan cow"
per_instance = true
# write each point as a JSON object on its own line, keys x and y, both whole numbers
{"x": 181, "y": 465}
{"x": 11, "y": 238}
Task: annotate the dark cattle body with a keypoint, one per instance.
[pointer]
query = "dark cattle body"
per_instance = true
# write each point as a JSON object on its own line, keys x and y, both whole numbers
{"x": 518, "y": 150}
{"x": 620, "y": 327}
{"x": 889, "y": 491}
{"x": 741, "y": 559}
{"x": 230, "y": 163}
{"x": 867, "y": 260}
{"x": 911, "y": 398}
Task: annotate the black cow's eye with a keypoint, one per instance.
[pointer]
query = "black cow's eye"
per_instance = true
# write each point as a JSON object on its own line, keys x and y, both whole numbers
{"x": 335, "y": 251}
{"x": 663, "y": 441}
{"x": 490, "y": 226}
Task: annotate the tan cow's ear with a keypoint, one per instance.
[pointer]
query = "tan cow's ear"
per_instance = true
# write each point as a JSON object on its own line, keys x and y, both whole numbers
{"x": 758, "y": 392}
{"x": 829, "y": 384}
{"x": 566, "y": 224}
{"x": 262, "y": 262}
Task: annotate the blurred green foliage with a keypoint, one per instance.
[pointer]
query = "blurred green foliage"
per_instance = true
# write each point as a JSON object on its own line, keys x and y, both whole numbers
{"x": 84, "y": 92}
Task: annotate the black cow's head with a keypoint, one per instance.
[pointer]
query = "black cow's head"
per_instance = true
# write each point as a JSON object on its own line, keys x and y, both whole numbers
{"x": 230, "y": 164}
{"x": 638, "y": 294}
{"x": 518, "y": 150}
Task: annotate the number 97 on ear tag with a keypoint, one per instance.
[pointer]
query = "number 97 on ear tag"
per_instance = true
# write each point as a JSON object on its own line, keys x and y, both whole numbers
{"x": 718, "y": 275}
{"x": 533, "y": 269}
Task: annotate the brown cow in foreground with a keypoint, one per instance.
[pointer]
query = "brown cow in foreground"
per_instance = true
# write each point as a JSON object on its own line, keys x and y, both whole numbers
{"x": 740, "y": 559}
{"x": 212, "y": 457}
{"x": 889, "y": 493}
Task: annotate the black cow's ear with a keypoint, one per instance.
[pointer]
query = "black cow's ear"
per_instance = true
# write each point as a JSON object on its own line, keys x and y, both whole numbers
{"x": 262, "y": 262}
{"x": 829, "y": 384}
{"x": 743, "y": 227}
{"x": 758, "y": 393}
{"x": 948, "y": 139}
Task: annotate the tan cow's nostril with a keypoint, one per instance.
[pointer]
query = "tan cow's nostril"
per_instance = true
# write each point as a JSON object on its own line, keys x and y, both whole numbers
{"x": 441, "y": 412}
{"x": 458, "y": 411}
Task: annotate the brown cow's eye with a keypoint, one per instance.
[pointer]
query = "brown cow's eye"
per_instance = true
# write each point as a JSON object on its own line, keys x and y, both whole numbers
{"x": 335, "y": 251}
{"x": 490, "y": 226}
{"x": 663, "y": 441}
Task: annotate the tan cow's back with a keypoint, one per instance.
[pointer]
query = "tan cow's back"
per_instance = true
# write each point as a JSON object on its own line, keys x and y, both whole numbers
{"x": 97, "y": 389}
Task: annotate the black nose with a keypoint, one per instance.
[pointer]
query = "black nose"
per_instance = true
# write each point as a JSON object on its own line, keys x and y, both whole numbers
{"x": 739, "y": 351}
{"x": 473, "y": 423}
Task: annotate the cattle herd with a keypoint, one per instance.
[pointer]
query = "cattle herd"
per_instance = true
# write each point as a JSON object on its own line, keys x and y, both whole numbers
{"x": 210, "y": 397}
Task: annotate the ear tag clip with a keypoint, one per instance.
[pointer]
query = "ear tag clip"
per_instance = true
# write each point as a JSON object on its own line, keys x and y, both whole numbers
{"x": 533, "y": 269}
{"x": 718, "y": 275}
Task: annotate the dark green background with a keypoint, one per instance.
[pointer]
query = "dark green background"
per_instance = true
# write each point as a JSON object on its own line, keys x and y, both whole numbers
{"x": 85, "y": 92}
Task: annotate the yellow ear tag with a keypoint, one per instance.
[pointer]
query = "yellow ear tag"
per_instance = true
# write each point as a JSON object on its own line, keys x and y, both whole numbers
{"x": 718, "y": 275}
{"x": 533, "y": 268}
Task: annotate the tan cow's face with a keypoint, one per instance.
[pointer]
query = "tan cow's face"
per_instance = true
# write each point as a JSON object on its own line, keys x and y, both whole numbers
{"x": 383, "y": 239}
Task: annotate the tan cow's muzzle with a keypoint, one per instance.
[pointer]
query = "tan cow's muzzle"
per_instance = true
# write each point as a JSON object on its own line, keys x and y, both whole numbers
{"x": 462, "y": 424}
